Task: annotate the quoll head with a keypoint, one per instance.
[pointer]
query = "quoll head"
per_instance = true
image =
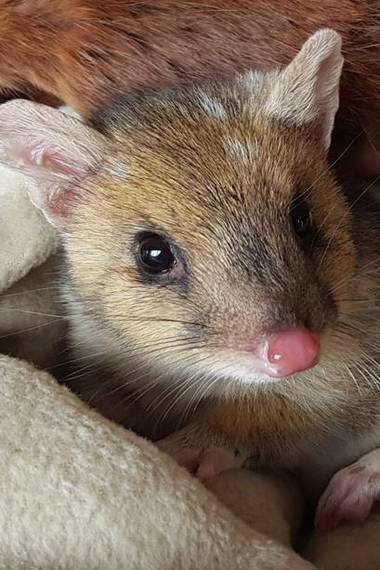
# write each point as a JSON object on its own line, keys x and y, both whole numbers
{"x": 201, "y": 224}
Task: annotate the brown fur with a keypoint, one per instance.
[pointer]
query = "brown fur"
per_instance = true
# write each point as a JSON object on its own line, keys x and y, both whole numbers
{"x": 86, "y": 52}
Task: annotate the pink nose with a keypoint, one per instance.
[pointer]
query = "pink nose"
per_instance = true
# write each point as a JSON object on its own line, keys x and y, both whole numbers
{"x": 292, "y": 351}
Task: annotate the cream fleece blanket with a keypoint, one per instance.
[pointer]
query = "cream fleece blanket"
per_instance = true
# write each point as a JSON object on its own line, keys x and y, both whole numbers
{"x": 78, "y": 492}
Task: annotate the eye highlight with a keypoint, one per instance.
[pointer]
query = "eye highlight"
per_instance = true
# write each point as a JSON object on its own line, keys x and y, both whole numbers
{"x": 301, "y": 218}
{"x": 155, "y": 254}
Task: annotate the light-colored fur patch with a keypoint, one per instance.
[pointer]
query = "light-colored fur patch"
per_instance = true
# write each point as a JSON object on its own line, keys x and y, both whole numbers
{"x": 212, "y": 107}
{"x": 243, "y": 151}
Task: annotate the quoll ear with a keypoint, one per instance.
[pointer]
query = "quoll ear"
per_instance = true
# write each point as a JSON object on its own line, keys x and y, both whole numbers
{"x": 306, "y": 92}
{"x": 55, "y": 151}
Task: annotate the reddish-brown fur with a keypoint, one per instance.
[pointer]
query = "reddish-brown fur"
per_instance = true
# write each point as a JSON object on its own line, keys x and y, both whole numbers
{"x": 88, "y": 51}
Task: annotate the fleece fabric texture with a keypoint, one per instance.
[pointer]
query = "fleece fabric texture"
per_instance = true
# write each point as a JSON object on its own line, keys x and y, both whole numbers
{"x": 77, "y": 491}
{"x": 26, "y": 241}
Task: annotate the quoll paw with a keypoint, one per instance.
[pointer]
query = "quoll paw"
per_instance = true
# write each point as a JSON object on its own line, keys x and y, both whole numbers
{"x": 351, "y": 493}
{"x": 205, "y": 463}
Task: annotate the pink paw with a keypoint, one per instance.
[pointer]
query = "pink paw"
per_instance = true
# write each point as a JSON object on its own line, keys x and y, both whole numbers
{"x": 350, "y": 494}
{"x": 207, "y": 464}
{"x": 204, "y": 463}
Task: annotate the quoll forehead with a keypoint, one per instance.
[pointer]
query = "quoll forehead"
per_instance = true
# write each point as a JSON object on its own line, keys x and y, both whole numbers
{"x": 210, "y": 162}
{"x": 216, "y": 155}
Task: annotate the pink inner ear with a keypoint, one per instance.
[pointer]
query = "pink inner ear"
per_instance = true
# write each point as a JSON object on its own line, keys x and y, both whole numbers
{"x": 53, "y": 150}
{"x": 47, "y": 159}
{"x": 53, "y": 197}
{"x": 53, "y": 180}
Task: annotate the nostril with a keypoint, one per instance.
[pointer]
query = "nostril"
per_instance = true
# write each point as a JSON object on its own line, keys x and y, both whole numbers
{"x": 292, "y": 351}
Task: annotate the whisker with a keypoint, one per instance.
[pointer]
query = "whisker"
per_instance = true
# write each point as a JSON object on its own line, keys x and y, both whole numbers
{"x": 26, "y": 330}
{"x": 29, "y": 292}
{"x": 30, "y": 312}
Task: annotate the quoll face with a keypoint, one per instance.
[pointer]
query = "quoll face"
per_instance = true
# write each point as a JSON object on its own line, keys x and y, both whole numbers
{"x": 209, "y": 231}
{"x": 207, "y": 239}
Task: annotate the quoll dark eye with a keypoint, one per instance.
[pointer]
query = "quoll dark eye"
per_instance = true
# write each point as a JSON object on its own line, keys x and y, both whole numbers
{"x": 301, "y": 218}
{"x": 155, "y": 254}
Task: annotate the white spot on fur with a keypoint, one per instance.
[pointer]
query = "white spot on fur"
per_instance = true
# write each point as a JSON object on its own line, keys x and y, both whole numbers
{"x": 241, "y": 150}
{"x": 118, "y": 169}
{"x": 213, "y": 107}
{"x": 251, "y": 79}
